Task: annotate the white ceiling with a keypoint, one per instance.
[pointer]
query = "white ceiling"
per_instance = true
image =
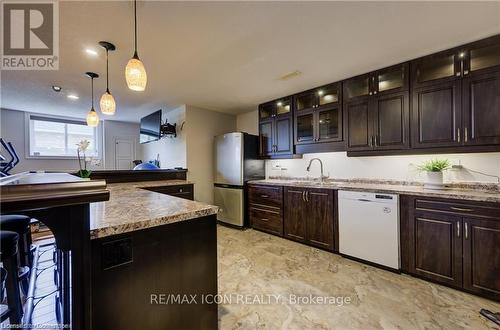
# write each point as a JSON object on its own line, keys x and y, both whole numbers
{"x": 228, "y": 56}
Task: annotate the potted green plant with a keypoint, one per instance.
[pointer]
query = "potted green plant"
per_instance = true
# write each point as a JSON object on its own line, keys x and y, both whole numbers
{"x": 82, "y": 148}
{"x": 434, "y": 169}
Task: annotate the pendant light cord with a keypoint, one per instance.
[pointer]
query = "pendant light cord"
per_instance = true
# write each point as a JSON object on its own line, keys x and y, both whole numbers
{"x": 135, "y": 27}
{"x": 92, "y": 91}
{"x": 107, "y": 72}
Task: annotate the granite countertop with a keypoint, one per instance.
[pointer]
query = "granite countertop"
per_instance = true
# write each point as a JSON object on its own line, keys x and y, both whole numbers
{"x": 131, "y": 208}
{"x": 472, "y": 192}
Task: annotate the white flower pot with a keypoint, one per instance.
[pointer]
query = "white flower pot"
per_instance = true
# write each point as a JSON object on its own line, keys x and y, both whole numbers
{"x": 434, "y": 180}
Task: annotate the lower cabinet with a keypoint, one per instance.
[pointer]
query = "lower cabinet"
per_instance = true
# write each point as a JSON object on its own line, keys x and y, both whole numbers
{"x": 309, "y": 215}
{"x": 185, "y": 191}
{"x": 454, "y": 243}
{"x": 265, "y": 208}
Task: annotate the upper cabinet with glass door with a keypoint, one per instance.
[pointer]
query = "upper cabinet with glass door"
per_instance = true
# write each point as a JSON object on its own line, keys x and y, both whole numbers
{"x": 272, "y": 109}
{"x": 436, "y": 68}
{"x": 482, "y": 56}
{"x": 318, "y": 97}
{"x": 391, "y": 80}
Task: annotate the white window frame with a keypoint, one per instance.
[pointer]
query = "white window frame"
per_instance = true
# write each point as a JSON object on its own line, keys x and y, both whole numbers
{"x": 27, "y": 139}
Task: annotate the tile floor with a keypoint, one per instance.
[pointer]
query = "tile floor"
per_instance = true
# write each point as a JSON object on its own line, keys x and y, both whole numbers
{"x": 254, "y": 265}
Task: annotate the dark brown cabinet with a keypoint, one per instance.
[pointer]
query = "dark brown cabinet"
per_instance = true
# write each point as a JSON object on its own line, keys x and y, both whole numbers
{"x": 481, "y": 256}
{"x": 318, "y": 118}
{"x": 309, "y": 216}
{"x": 456, "y": 96}
{"x": 265, "y": 208}
{"x": 185, "y": 191}
{"x": 275, "y": 128}
{"x": 376, "y": 107}
{"x": 295, "y": 214}
{"x": 452, "y": 242}
{"x": 438, "y": 247}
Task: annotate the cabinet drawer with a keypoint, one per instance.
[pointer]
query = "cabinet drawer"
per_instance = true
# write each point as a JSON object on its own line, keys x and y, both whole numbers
{"x": 465, "y": 208}
{"x": 183, "y": 191}
{"x": 269, "y": 220}
{"x": 266, "y": 195}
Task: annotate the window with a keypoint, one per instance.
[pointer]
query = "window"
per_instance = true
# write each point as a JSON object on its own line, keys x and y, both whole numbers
{"x": 56, "y": 137}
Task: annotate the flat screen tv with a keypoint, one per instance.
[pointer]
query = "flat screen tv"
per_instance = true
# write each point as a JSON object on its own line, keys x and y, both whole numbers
{"x": 150, "y": 127}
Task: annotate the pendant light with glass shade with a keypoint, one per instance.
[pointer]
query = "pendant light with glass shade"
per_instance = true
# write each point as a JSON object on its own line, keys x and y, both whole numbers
{"x": 92, "y": 117}
{"x": 135, "y": 73}
{"x": 107, "y": 102}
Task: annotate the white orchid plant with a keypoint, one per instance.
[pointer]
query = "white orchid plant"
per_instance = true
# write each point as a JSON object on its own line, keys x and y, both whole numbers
{"x": 82, "y": 148}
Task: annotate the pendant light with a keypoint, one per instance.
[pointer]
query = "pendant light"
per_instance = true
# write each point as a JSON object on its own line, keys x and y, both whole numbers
{"x": 135, "y": 73}
{"x": 92, "y": 117}
{"x": 107, "y": 103}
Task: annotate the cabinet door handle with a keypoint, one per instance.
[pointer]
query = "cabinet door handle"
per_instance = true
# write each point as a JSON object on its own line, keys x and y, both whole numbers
{"x": 375, "y": 140}
{"x": 466, "y": 133}
{"x": 264, "y": 196}
{"x": 458, "y": 229}
{"x": 264, "y": 219}
{"x": 303, "y": 196}
{"x": 466, "y": 230}
{"x": 460, "y": 209}
{"x": 458, "y": 134}
{"x": 307, "y": 196}
{"x": 466, "y": 72}
{"x": 370, "y": 93}
{"x": 457, "y": 74}
{"x": 374, "y": 92}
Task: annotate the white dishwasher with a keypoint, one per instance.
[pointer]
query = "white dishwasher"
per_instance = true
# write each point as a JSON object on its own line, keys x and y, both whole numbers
{"x": 369, "y": 227}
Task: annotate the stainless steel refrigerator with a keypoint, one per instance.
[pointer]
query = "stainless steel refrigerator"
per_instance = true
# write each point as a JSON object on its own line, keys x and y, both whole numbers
{"x": 236, "y": 162}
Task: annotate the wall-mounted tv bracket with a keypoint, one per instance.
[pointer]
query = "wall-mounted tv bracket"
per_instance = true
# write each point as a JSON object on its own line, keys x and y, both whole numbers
{"x": 168, "y": 129}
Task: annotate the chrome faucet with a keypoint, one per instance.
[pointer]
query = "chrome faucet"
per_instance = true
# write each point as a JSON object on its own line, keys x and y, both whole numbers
{"x": 322, "y": 178}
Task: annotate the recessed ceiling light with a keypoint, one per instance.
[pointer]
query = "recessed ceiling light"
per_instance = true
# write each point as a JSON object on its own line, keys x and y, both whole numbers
{"x": 91, "y": 52}
{"x": 73, "y": 96}
{"x": 56, "y": 88}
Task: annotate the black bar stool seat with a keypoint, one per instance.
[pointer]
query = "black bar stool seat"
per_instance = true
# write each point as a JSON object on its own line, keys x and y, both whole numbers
{"x": 21, "y": 225}
{"x": 8, "y": 243}
{"x": 8, "y": 256}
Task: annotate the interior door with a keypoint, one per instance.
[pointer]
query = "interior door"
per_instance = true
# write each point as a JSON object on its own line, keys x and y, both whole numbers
{"x": 391, "y": 121}
{"x": 320, "y": 219}
{"x": 124, "y": 153}
{"x": 481, "y": 108}
{"x": 482, "y": 256}
{"x": 437, "y": 115}
{"x": 436, "y": 244}
{"x": 296, "y": 213}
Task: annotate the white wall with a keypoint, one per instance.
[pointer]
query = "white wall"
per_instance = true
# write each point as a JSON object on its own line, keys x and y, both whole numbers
{"x": 201, "y": 127}
{"x": 13, "y": 130}
{"x": 113, "y": 130}
{"x": 248, "y": 122}
{"x": 172, "y": 151}
{"x": 338, "y": 165}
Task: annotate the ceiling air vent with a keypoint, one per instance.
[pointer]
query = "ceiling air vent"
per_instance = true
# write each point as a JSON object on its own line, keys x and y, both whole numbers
{"x": 290, "y": 75}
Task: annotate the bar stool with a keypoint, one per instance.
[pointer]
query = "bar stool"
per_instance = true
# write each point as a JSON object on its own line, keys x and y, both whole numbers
{"x": 8, "y": 248}
{"x": 21, "y": 225}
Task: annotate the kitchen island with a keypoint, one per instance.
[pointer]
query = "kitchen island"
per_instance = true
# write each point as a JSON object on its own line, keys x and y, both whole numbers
{"x": 125, "y": 246}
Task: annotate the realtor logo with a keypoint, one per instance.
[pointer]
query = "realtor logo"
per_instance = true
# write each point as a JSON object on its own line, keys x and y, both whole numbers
{"x": 30, "y": 39}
